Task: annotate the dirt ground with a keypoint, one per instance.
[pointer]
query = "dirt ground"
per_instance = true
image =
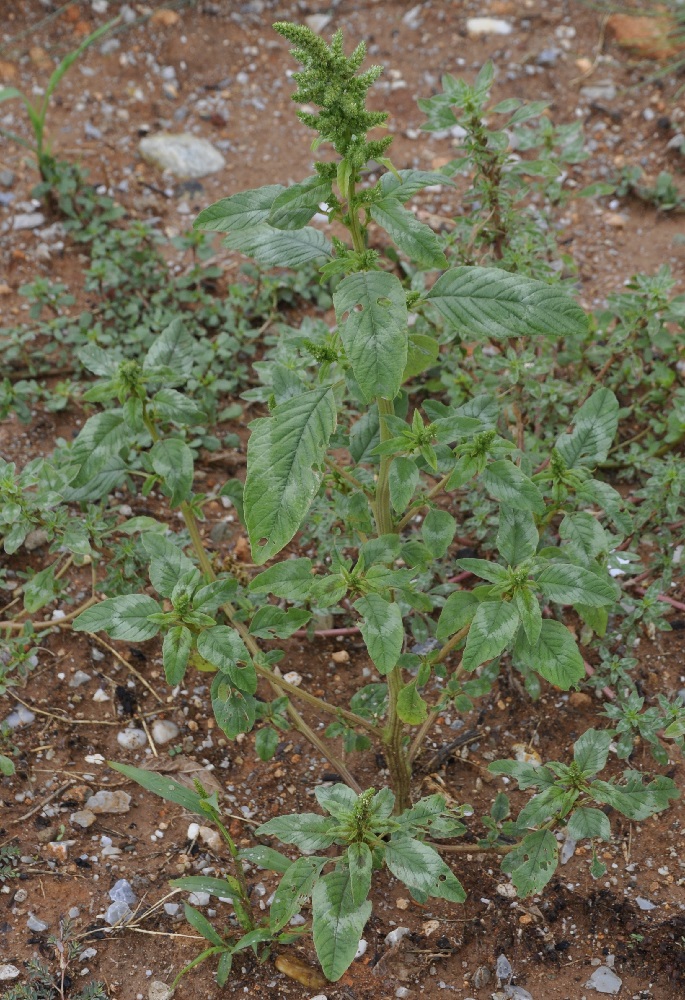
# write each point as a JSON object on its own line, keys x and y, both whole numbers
{"x": 231, "y": 85}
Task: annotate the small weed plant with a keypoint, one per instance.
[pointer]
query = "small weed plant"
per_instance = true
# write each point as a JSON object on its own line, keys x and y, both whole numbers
{"x": 440, "y": 404}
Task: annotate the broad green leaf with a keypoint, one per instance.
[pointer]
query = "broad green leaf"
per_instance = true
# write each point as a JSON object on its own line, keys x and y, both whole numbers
{"x": 102, "y": 436}
{"x": 437, "y": 532}
{"x": 409, "y": 182}
{"x": 422, "y": 353}
{"x": 121, "y": 617}
{"x": 422, "y": 869}
{"x": 485, "y": 569}
{"x": 223, "y": 969}
{"x": 165, "y": 787}
{"x": 307, "y": 831}
{"x": 167, "y": 564}
{"x": 244, "y": 210}
{"x": 133, "y": 525}
{"x": 532, "y": 863}
{"x": 266, "y": 742}
{"x": 555, "y": 655}
{"x": 294, "y": 207}
{"x": 233, "y": 710}
{"x": 172, "y": 459}
{"x": 338, "y": 800}
{"x": 493, "y": 627}
{"x": 403, "y": 480}
{"x": 176, "y": 648}
{"x": 41, "y": 589}
{"x": 174, "y": 349}
{"x": 98, "y": 360}
{"x": 517, "y": 537}
{"x": 585, "y": 822}
{"x": 411, "y": 707}
{"x": 270, "y": 621}
{"x": 635, "y": 799}
{"x": 371, "y": 310}
{"x": 530, "y": 613}
{"x": 491, "y": 303}
{"x": 594, "y": 429}
{"x": 210, "y": 597}
{"x": 266, "y": 857}
{"x": 338, "y": 924}
{"x": 382, "y": 629}
{"x": 280, "y": 248}
{"x": 591, "y": 750}
{"x": 459, "y": 609}
{"x": 174, "y": 406}
{"x": 550, "y": 802}
{"x": 6, "y": 766}
{"x": 383, "y": 549}
{"x": 294, "y": 890}
{"x": 566, "y": 583}
{"x": 584, "y": 534}
{"x": 360, "y": 863}
{"x": 285, "y": 457}
{"x": 290, "y": 579}
{"x": 506, "y": 483}
{"x": 526, "y": 774}
{"x": 414, "y": 238}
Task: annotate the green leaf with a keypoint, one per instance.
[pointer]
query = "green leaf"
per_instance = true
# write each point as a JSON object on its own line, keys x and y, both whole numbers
{"x": 294, "y": 207}
{"x": 406, "y": 184}
{"x": 411, "y": 707}
{"x": 307, "y": 831}
{"x": 200, "y": 923}
{"x": 280, "y": 248}
{"x": 234, "y": 711}
{"x": 244, "y": 210}
{"x": 172, "y": 459}
{"x": 585, "y": 822}
{"x": 489, "y": 302}
{"x": 224, "y": 649}
{"x": 266, "y": 742}
{"x": 506, "y": 483}
{"x": 423, "y": 352}
{"x": 285, "y": 458}
{"x": 532, "y": 863}
{"x": 294, "y": 890}
{"x": 584, "y": 534}
{"x": 493, "y": 627}
{"x": 266, "y": 857}
{"x": 176, "y": 407}
{"x": 165, "y": 787}
{"x": 168, "y": 563}
{"x": 422, "y": 869}
{"x": 338, "y": 924}
{"x": 174, "y": 349}
{"x": 403, "y": 480}
{"x": 517, "y": 537}
{"x": 414, "y": 238}
{"x": 591, "y": 750}
{"x": 6, "y": 766}
{"x": 360, "y": 862}
{"x": 290, "y": 579}
{"x": 530, "y": 613}
{"x": 210, "y": 597}
{"x": 437, "y": 532}
{"x": 485, "y": 569}
{"x": 594, "y": 429}
{"x": 338, "y": 800}
{"x": 40, "y": 589}
{"x": 382, "y": 630}
{"x": 270, "y": 621}
{"x": 555, "y": 655}
{"x": 371, "y": 310}
{"x": 459, "y": 609}
{"x": 221, "y": 887}
{"x": 551, "y": 801}
{"x": 121, "y": 617}
{"x": 526, "y": 774}
{"x": 634, "y": 799}
{"x": 566, "y": 583}
{"x": 223, "y": 969}
{"x": 176, "y": 648}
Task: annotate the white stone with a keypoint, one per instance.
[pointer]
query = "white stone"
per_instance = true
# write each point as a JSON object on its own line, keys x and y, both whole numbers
{"x": 394, "y": 937}
{"x": 361, "y": 948}
{"x": 604, "y": 980}
{"x": 193, "y": 831}
{"x": 101, "y": 695}
{"x": 159, "y": 991}
{"x": 211, "y": 838}
{"x": 488, "y": 26}
{"x": 8, "y": 972}
{"x": 105, "y": 801}
{"x": 164, "y": 730}
{"x": 132, "y": 739}
{"x": 36, "y": 925}
{"x": 27, "y": 220}
{"x": 79, "y": 678}
{"x": 182, "y": 154}
{"x": 292, "y": 677}
{"x": 198, "y": 898}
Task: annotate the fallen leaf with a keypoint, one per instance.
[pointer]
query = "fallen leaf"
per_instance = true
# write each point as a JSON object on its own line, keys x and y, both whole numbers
{"x": 302, "y": 973}
{"x": 185, "y": 771}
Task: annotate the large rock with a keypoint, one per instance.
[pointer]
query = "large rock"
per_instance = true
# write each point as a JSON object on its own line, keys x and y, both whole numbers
{"x": 182, "y": 154}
